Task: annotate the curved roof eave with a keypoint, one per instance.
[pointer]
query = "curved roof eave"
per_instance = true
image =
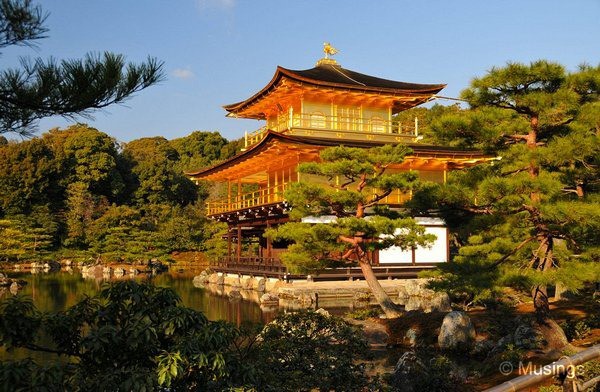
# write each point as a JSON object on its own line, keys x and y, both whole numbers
{"x": 271, "y": 135}
{"x": 303, "y": 76}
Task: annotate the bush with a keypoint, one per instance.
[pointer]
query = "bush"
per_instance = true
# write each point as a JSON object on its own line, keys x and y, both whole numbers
{"x": 418, "y": 371}
{"x": 130, "y": 337}
{"x": 575, "y": 329}
{"x": 305, "y": 351}
{"x": 136, "y": 337}
{"x": 365, "y": 313}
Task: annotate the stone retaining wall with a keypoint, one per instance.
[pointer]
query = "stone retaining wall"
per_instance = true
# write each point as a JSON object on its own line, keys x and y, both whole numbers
{"x": 412, "y": 293}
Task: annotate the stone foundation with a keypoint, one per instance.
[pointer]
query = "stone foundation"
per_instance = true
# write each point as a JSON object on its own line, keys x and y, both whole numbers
{"x": 412, "y": 293}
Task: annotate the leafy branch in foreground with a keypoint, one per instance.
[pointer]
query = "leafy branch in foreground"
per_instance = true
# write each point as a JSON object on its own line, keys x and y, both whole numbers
{"x": 137, "y": 337}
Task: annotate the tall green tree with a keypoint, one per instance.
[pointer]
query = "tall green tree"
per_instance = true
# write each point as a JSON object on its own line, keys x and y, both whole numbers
{"x": 89, "y": 157}
{"x": 537, "y": 208}
{"x": 199, "y": 149}
{"x": 68, "y": 88}
{"x": 28, "y": 177}
{"x": 356, "y": 180}
{"x": 153, "y": 162}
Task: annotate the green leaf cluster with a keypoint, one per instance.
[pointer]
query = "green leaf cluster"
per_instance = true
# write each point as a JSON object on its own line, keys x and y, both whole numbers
{"x": 355, "y": 179}
{"x": 137, "y": 337}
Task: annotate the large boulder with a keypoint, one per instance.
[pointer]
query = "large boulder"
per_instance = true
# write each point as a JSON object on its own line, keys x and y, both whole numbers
{"x": 457, "y": 332}
{"x": 200, "y": 280}
{"x": 408, "y": 368}
{"x": 428, "y": 301}
{"x": 269, "y": 299}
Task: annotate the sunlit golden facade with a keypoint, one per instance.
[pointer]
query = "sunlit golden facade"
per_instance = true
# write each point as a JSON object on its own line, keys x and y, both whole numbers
{"x": 305, "y": 112}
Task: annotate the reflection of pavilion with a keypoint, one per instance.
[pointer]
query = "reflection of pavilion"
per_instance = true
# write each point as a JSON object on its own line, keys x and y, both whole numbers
{"x": 306, "y": 111}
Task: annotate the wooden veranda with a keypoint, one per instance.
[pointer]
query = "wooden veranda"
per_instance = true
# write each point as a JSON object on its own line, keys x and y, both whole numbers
{"x": 271, "y": 267}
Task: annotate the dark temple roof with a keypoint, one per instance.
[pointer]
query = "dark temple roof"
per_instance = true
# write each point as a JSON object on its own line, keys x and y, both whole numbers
{"x": 337, "y": 77}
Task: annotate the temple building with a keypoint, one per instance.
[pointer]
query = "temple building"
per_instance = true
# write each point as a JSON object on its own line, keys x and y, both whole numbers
{"x": 306, "y": 111}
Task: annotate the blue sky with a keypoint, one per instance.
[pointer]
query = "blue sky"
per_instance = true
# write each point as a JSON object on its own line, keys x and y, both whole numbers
{"x": 218, "y": 52}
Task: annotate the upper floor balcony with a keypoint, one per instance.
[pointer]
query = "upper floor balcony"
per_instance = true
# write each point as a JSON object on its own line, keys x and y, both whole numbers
{"x": 323, "y": 126}
{"x": 267, "y": 195}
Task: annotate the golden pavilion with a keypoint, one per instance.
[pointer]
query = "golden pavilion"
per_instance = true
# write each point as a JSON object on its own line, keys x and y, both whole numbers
{"x": 306, "y": 111}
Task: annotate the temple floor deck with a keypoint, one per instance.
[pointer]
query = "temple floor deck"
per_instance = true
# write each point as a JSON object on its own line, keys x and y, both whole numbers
{"x": 273, "y": 268}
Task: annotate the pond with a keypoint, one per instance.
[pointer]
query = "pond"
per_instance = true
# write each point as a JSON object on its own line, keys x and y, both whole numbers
{"x": 57, "y": 291}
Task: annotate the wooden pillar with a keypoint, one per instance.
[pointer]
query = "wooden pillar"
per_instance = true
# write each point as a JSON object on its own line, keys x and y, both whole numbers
{"x": 239, "y": 193}
{"x": 269, "y": 243}
{"x": 229, "y": 191}
{"x": 239, "y": 244}
{"x": 229, "y": 244}
{"x": 276, "y": 188}
{"x": 268, "y": 187}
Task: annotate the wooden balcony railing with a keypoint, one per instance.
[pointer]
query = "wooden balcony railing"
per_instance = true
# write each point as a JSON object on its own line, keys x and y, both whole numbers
{"x": 274, "y": 194}
{"x": 337, "y": 127}
{"x": 259, "y": 197}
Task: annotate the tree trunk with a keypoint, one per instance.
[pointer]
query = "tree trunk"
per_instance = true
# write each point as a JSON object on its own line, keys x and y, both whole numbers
{"x": 534, "y": 169}
{"x": 390, "y": 309}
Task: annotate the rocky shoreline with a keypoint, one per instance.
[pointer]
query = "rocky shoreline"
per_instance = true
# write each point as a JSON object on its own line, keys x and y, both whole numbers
{"x": 412, "y": 293}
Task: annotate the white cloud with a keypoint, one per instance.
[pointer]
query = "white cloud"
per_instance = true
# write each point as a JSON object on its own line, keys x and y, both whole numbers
{"x": 226, "y": 4}
{"x": 183, "y": 73}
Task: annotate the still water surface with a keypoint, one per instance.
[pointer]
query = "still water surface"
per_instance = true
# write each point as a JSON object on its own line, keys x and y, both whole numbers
{"x": 57, "y": 291}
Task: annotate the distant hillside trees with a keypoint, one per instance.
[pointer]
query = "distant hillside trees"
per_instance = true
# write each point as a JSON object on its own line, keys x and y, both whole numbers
{"x": 90, "y": 195}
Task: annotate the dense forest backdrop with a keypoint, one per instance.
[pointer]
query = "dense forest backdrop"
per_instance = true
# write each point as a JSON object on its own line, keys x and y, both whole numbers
{"x": 77, "y": 192}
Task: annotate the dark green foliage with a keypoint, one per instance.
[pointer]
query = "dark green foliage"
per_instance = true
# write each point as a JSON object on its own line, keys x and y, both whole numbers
{"x": 135, "y": 337}
{"x": 129, "y": 337}
{"x": 363, "y": 314}
{"x": 530, "y": 219}
{"x": 199, "y": 149}
{"x": 307, "y": 351}
{"x": 27, "y": 176}
{"x": 20, "y": 23}
{"x": 575, "y": 329}
{"x": 422, "y": 371}
{"x": 352, "y": 175}
{"x": 152, "y": 162}
{"x": 77, "y": 188}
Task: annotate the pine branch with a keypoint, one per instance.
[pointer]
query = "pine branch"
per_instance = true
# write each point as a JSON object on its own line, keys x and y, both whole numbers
{"x": 377, "y": 198}
{"x": 69, "y": 89}
{"x": 515, "y": 250}
{"x": 21, "y": 23}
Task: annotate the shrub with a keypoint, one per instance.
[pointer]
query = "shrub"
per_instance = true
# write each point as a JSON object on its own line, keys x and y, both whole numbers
{"x": 365, "y": 313}
{"x": 305, "y": 351}
{"x": 575, "y": 329}
{"x": 130, "y": 337}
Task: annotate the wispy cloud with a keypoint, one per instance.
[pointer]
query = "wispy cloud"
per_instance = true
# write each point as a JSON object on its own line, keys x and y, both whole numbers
{"x": 226, "y": 4}
{"x": 183, "y": 73}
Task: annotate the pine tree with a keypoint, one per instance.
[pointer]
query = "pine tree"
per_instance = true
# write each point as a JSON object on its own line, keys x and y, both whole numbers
{"x": 67, "y": 88}
{"x": 538, "y": 207}
{"x": 356, "y": 180}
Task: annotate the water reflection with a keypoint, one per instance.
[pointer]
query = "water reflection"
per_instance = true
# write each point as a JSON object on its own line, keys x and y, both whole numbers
{"x": 57, "y": 291}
